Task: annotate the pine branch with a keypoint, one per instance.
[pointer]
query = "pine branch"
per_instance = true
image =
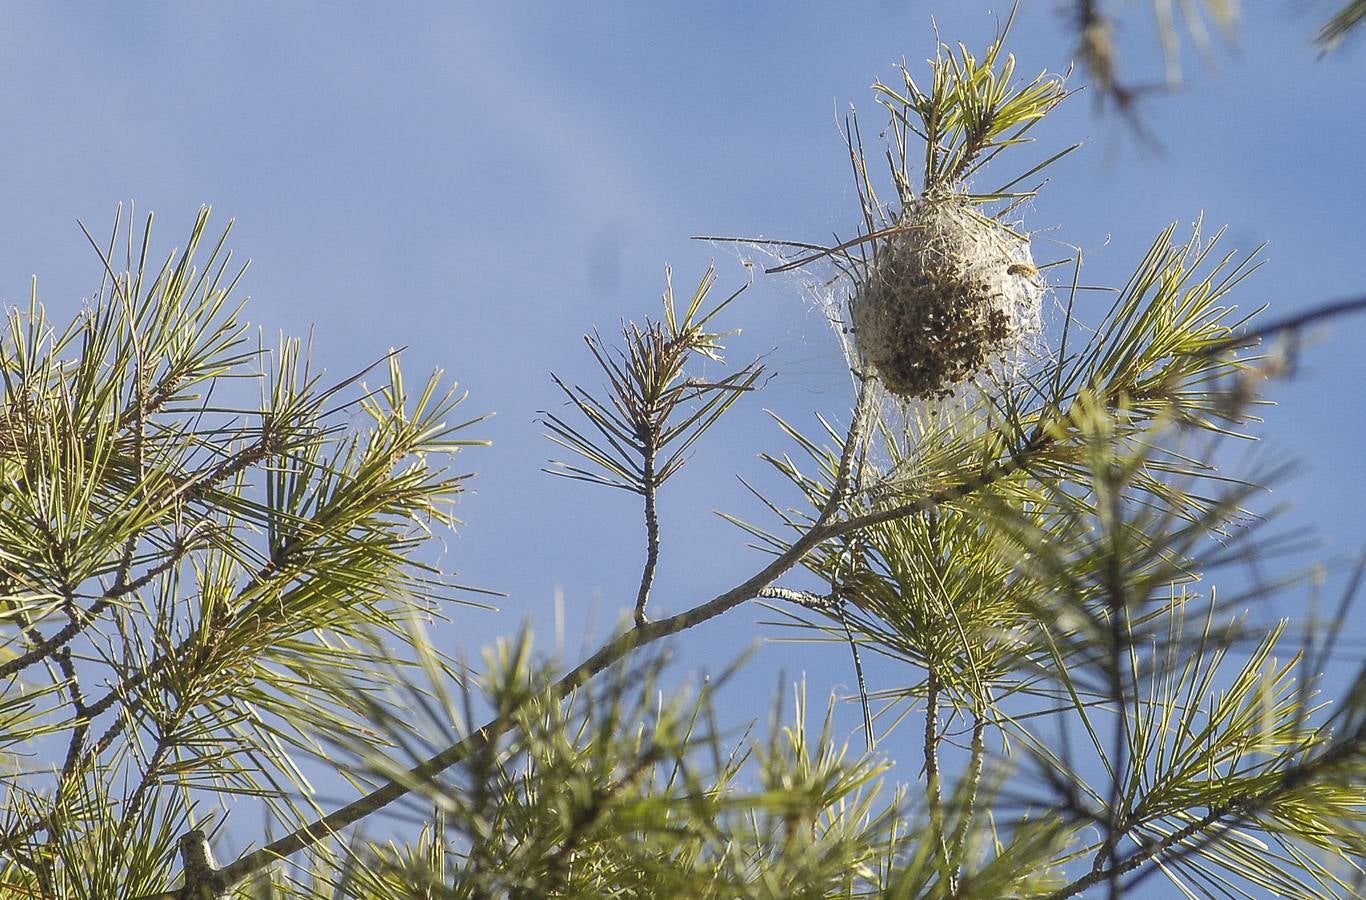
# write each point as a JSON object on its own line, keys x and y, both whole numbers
{"x": 45, "y": 647}
{"x": 934, "y": 798}
{"x": 972, "y": 781}
{"x": 1225, "y": 816}
{"x": 608, "y": 654}
{"x": 650, "y": 486}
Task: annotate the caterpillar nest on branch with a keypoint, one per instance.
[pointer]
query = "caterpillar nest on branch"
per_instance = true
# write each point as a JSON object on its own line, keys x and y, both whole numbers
{"x": 949, "y": 292}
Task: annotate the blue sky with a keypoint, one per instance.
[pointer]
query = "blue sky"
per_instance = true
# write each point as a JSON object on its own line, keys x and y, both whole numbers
{"x": 483, "y": 183}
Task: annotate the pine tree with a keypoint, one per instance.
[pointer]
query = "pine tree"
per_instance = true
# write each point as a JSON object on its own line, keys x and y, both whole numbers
{"x": 213, "y": 575}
